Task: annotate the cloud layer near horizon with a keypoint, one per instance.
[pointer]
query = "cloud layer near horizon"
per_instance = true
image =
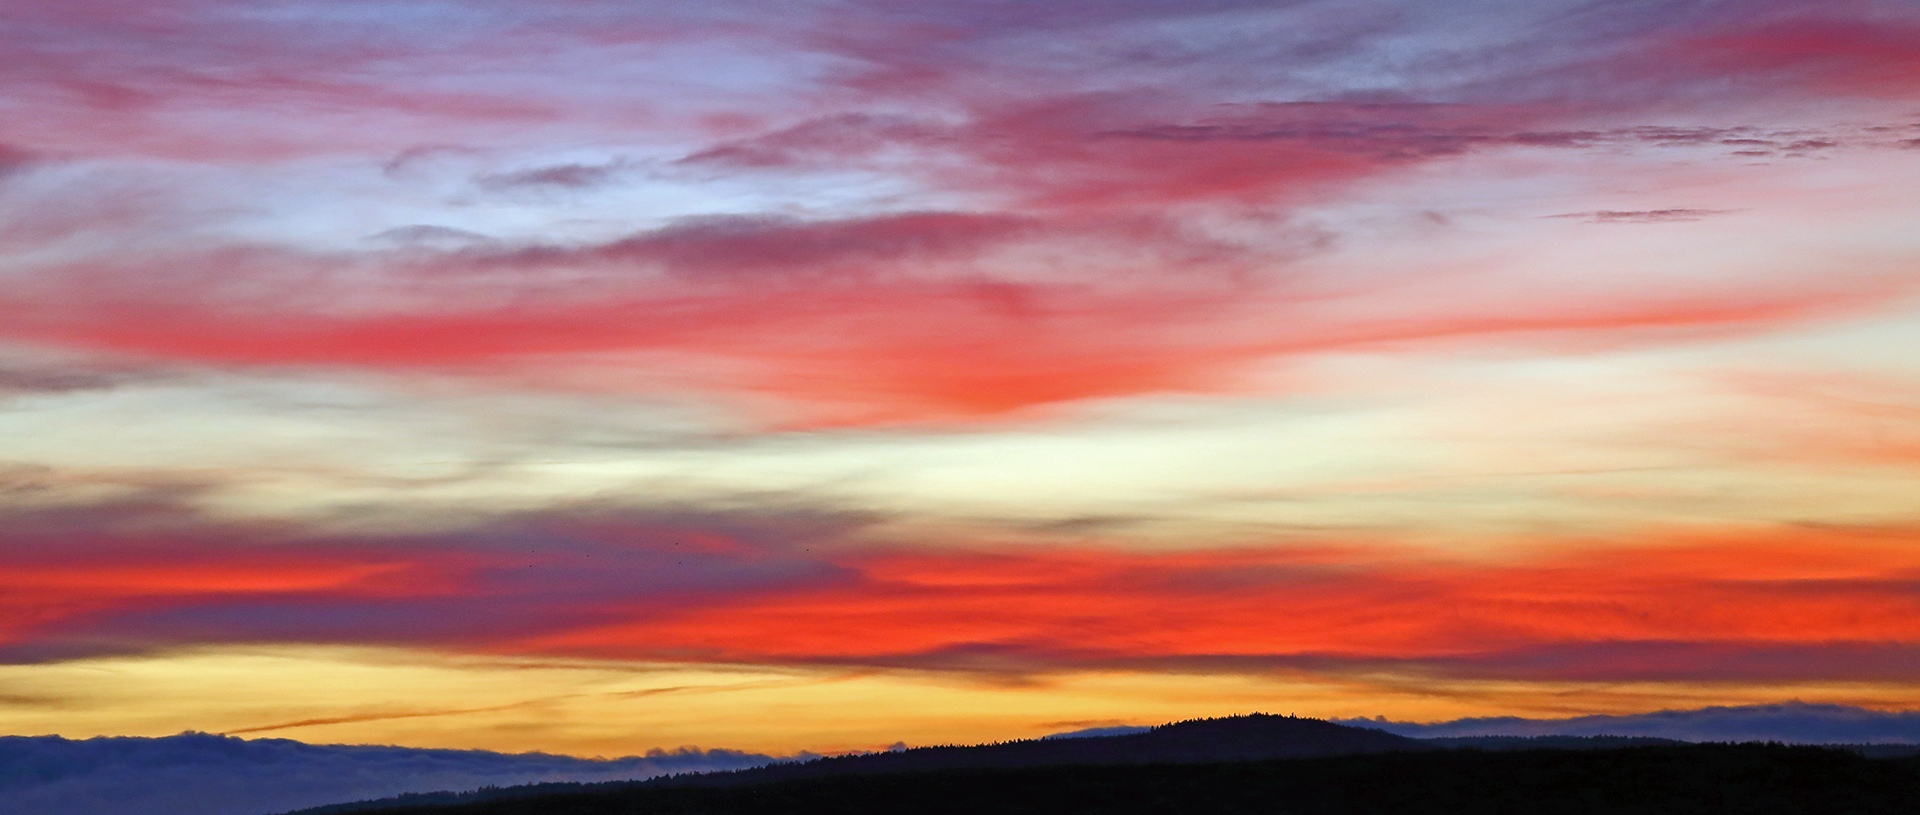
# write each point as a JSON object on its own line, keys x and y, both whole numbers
{"x": 1801, "y": 605}
{"x": 1792, "y": 722}
{"x": 213, "y": 775}
{"x": 1369, "y": 345}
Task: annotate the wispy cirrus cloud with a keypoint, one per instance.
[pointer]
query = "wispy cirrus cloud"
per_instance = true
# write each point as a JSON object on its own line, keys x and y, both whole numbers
{"x": 1017, "y": 310}
{"x": 1645, "y": 216}
{"x": 1873, "y": 54}
{"x": 1045, "y": 263}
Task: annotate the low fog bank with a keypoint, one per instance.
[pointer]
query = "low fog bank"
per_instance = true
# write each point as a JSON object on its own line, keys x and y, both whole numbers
{"x": 203, "y": 774}
{"x": 1790, "y": 722}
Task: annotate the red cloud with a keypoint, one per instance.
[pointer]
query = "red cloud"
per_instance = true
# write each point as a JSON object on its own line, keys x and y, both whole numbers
{"x": 1082, "y": 606}
{"x": 82, "y": 581}
{"x": 1861, "y": 57}
{"x": 688, "y": 589}
{"x": 1067, "y": 154}
{"x": 873, "y": 320}
{"x": 1083, "y": 271}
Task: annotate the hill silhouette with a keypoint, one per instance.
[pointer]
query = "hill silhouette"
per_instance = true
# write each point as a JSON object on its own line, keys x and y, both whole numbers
{"x": 1751, "y": 779}
{"x": 1253, "y": 763}
{"x": 1251, "y": 737}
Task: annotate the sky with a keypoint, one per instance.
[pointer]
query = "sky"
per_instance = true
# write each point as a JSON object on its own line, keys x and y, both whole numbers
{"x": 590, "y": 376}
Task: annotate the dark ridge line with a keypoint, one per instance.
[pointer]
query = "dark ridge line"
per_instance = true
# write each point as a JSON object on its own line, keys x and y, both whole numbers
{"x": 1256, "y": 737}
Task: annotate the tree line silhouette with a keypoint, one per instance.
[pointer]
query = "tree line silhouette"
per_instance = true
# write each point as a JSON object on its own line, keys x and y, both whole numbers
{"x": 1261, "y": 764}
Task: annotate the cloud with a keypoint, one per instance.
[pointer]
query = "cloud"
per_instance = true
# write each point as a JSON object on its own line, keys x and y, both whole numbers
{"x": 871, "y": 301}
{"x": 855, "y": 231}
{"x": 44, "y": 380}
{"x": 918, "y": 316}
{"x": 1799, "y": 604}
{"x": 1003, "y": 612}
{"x": 189, "y": 80}
{"x": 1721, "y": 53}
{"x": 29, "y": 371}
{"x": 431, "y": 236}
{"x": 879, "y": 246}
{"x": 14, "y": 160}
{"x": 829, "y": 142}
{"x": 1869, "y": 55}
{"x": 1094, "y": 732}
{"x": 202, "y": 774}
{"x": 1651, "y": 216}
{"x": 139, "y": 578}
{"x": 1025, "y": 232}
{"x": 372, "y": 717}
{"x": 556, "y": 176}
{"x": 1793, "y": 722}
{"x": 1705, "y": 660}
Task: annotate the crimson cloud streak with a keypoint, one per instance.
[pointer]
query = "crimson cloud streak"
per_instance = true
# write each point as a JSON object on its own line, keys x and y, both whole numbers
{"x": 1811, "y": 603}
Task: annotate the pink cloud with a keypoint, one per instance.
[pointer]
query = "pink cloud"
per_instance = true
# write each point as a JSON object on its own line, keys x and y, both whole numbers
{"x": 883, "y": 319}
{"x": 1079, "y": 271}
{"x": 1874, "y": 58}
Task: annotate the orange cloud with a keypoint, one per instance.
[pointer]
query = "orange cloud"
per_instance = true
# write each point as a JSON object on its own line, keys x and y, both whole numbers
{"x": 1742, "y": 604}
{"x": 54, "y": 588}
{"x": 858, "y": 322}
{"x": 1800, "y": 588}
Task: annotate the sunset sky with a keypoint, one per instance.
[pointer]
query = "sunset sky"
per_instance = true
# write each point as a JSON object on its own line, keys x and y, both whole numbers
{"x": 592, "y": 375}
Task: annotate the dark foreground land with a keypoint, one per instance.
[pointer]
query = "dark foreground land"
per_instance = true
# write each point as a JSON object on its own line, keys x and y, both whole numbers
{"x": 1749, "y": 779}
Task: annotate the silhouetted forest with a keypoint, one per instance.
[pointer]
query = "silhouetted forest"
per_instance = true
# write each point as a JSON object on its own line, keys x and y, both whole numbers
{"x": 1747, "y": 779}
{"x": 1266, "y": 764}
{"x": 1235, "y": 738}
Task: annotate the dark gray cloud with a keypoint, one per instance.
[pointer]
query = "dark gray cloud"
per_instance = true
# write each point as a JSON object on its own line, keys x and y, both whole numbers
{"x": 1385, "y": 131}
{"x": 1016, "y": 663}
{"x": 26, "y": 370}
{"x": 724, "y": 246}
{"x": 14, "y": 159}
{"x": 413, "y": 160}
{"x": 430, "y": 236}
{"x": 519, "y": 576}
{"x": 824, "y": 141}
{"x": 203, "y": 774}
{"x": 28, "y": 373}
{"x": 1094, "y": 732}
{"x": 1644, "y": 216}
{"x": 555, "y": 176}
{"x": 1796, "y": 722}
{"x": 18, "y": 379}
{"x": 1412, "y": 130}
